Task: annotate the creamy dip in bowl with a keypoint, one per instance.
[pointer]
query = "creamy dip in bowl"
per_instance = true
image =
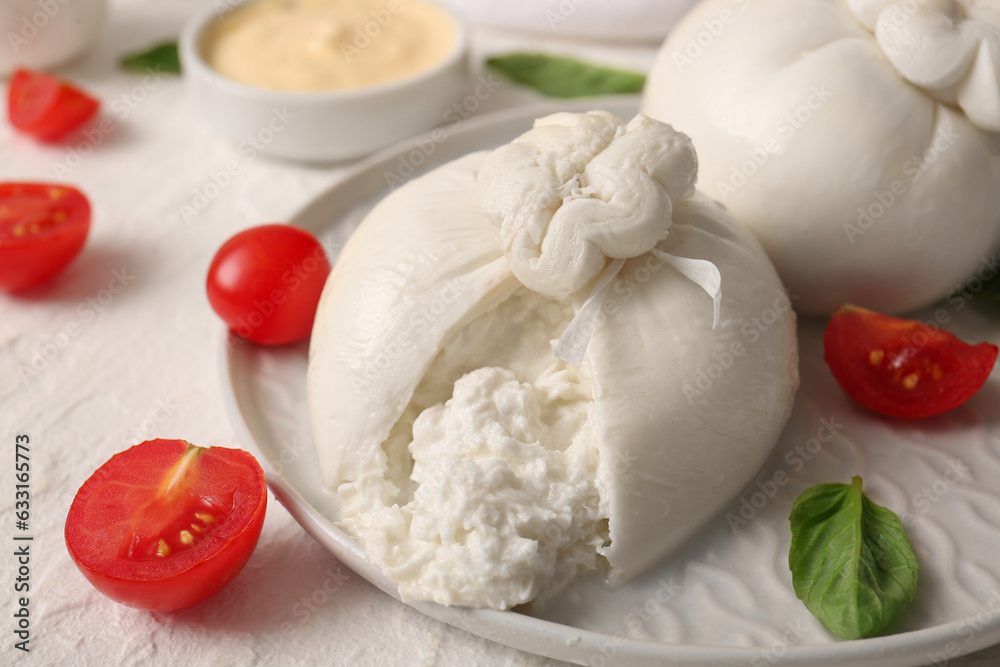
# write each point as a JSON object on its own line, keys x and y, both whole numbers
{"x": 324, "y": 80}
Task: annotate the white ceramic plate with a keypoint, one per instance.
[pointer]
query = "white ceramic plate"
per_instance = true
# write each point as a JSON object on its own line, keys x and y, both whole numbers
{"x": 726, "y": 599}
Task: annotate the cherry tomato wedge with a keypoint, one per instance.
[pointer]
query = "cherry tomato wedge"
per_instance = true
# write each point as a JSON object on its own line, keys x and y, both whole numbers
{"x": 42, "y": 228}
{"x": 903, "y": 368}
{"x": 45, "y": 106}
{"x": 166, "y": 524}
{"x": 266, "y": 281}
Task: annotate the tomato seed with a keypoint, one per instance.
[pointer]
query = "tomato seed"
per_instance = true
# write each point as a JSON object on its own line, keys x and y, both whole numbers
{"x": 163, "y": 549}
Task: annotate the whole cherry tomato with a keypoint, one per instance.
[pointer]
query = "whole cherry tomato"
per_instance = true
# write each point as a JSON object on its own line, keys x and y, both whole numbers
{"x": 266, "y": 281}
{"x": 166, "y": 524}
{"x": 45, "y": 106}
{"x": 42, "y": 228}
{"x": 903, "y": 368}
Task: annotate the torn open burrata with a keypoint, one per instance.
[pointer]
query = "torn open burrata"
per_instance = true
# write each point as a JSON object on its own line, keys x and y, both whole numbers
{"x": 546, "y": 359}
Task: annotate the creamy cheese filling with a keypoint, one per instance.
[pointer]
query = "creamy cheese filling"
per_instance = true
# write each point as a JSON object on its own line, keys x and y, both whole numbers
{"x": 492, "y": 497}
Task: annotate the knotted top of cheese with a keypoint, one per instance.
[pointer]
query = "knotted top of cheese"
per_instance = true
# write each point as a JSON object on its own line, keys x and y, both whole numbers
{"x": 581, "y": 190}
{"x": 950, "y": 48}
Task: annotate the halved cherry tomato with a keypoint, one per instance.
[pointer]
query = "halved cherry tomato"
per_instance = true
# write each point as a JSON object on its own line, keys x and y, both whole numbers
{"x": 266, "y": 281}
{"x": 45, "y": 106}
{"x": 903, "y": 368}
{"x": 166, "y": 524}
{"x": 42, "y": 228}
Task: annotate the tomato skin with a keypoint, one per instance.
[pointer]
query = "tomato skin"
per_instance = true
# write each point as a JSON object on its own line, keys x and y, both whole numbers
{"x": 265, "y": 283}
{"x": 43, "y": 227}
{"x": 45, "y": 106}
{"x": 903, "y": 368}
{"x": 118, "y": 505}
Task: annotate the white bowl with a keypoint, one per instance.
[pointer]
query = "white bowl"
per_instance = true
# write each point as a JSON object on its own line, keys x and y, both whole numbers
{"x": 44, "y": 35}
{"x": 321, "y": 126}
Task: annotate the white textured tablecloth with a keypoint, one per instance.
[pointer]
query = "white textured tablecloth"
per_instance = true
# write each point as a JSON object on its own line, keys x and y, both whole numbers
{"x": 123, "y": 347}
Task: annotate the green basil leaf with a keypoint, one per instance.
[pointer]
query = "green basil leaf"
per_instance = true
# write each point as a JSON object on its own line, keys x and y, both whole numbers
{"x": 566, "y": 77}
{"x": 851, "y": 562}
{"x": 160, "y": 58}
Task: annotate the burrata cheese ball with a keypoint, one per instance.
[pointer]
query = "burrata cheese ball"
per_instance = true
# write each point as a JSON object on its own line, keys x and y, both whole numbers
{"x": 857, "y": 139}
{"x": 539, "y": 361}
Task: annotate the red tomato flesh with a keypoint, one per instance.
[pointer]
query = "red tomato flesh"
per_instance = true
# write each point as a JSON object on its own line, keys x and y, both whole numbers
{"x": 903, "y": 368}
{"x": 47, "y": 107}
{"x": 42, "y": 228}
{"x": 266, "y": 281}
{"x": 165, "y": 524}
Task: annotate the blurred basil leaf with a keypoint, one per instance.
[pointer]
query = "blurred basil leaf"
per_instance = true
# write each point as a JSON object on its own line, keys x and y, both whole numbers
{"x": 560, "y": 76}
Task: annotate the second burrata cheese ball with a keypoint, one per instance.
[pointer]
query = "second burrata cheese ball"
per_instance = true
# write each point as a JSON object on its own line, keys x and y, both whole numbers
{"x": 542, "y": 360}
{"x": 857, "y": 139}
